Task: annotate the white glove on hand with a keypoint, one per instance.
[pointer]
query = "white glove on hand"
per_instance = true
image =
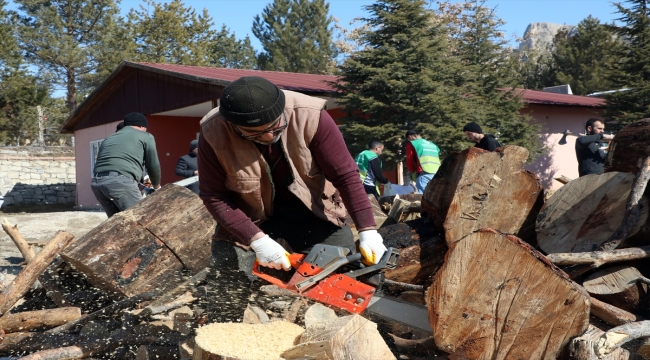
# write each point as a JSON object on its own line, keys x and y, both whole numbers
{"x": 271, "y": 254}
{"x": 371, "y": 246}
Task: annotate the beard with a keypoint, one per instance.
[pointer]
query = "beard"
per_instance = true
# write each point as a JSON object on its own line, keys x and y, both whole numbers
{"x": 275, "y": 139}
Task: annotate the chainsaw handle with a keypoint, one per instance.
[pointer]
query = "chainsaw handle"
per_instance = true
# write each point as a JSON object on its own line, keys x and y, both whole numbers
{"x": 295, "y": 260}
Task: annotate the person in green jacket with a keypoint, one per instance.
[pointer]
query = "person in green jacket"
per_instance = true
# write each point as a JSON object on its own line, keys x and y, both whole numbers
{"x": 370, "y": 167}
{"x": 422, "y": 159}
{"x": 118, "y": 168}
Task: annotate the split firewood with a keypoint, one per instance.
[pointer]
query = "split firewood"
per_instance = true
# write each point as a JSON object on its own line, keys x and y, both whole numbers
{"x": 245, "y": 341}
{"x": 19, "y": 287}
{"x": 404, "y": 210}
{"x": 419, "y": 347}
{"x": 176, "y": 303}
{"x": 583, "y": 214}
{"x": 614, "y": 338}
{"x": 348, "y": 337}
{"x": 619, "y": 286}
{"x": 38, "y": 319}
{"x": 318, "y": 313}
{"x": 422, "y": 251}
{"x": 598, "y": 258}
{"x": 12, "y": 230}
{"x": 291, "y": 313}
{"x": 611, "y": 314}
{"x": 496, "y": 297}
{"x": 255, "y": 315}
{"x": 629, "y": 148}
{"x": 475, "y": 189}
{"x": 582, "y": 347}
{"x": 386, "y": 202}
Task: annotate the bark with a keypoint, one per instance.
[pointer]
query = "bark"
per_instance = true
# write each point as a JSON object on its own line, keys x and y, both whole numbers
{"x": 38, "y": 319}
{"x": 19, "y": 287}
{"x": 583, "y": 214}
{"x": 618, "y": 286}
{"x": 611, "y": 314}
{"x": 22, "y": 245}
{"x": 145, "y": 248}
{"x": 495, "y": 297}
{"x": 582, "y": 347}
{"x": 476, "y": 189}
{"x": 629, "y": 148}
{"x": 598, "y": 258}
{"x": 420, "y": 347}
{"x": 614, "y": 338}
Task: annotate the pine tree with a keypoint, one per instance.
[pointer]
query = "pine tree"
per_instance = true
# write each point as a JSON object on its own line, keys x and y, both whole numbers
{"x": 490, "y": 79}
{"x": 9, "y": 52}
{"x": 65, "y": 38}
{"x": 630, "y": 74}
{"x": 227, "y": 51}
{"x": 403, "y": 78}
{"x": 296, "y": 36}
{"x": 582, "y": 60}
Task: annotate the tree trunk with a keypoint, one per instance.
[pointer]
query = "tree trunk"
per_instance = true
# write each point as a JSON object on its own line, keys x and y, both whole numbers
{"x": 19, "y": 287}
{"x": 38, "y": 319}
{"x": 348, "y": 337}
{"x": 476, "y": 189}
{"x": 582, "y": 347}
{"x": 145, "y": 248}
{"x": 495, "y": 297}
{"x": 584, "y": 213}
{"x": 618, "y": 286}
{"x": 629, "y": 148}
{"x": 245, "y": 341}
{"x": 422, "y": 251}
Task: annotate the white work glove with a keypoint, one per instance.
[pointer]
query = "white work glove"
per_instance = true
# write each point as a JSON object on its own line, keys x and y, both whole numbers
{"x": 371, "y": 246}
{"x": 271, "y": 254}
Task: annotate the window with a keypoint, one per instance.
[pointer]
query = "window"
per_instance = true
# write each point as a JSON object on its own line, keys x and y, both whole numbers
{"x": 94, "y": 150}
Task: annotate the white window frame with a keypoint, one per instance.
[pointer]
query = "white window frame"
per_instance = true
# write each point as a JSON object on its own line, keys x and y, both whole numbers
{"x": 94, "y": 150}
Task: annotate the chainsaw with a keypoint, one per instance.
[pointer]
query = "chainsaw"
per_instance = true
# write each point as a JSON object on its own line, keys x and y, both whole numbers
{"x": 329, "y": 275}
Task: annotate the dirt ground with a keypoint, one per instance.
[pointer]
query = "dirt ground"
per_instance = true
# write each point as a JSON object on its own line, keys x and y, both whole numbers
{"x": 39, "y": 225}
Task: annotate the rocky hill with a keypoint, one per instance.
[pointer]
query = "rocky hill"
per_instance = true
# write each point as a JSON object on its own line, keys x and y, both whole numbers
{"x": 539, "y": 34}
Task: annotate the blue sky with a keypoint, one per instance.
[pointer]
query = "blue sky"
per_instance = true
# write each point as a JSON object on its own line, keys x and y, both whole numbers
{"x": 238, "y": 14}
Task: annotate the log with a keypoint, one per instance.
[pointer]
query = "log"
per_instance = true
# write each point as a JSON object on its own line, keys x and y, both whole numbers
{"x": 495, "y": 297}
{"x": 611, "y": 314}
{"x": 403, "y": 210}
{"x": 245, "y": 341}
{"x": 618, "y": 286}
{"x": 348, "y": 337}
{"x": 598, "y": 258}
{"x": 584, "y": 213}
{"x": 19, "y": 287}
{"x": 419, "y": 347}
{"x": 22, "y": 245}
{"x": 582, "y": 347}
{"x": 629, "y": 148}
{"x": 38, "y": 319}
{"x": 145, "y": 248}
{"x": 614, "y": 338}
{"x": 422, "y": 251}
{"x": 476, "y": 189}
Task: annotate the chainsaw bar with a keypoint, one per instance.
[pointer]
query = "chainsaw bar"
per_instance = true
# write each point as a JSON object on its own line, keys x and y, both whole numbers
{"x": 407, "y": 313}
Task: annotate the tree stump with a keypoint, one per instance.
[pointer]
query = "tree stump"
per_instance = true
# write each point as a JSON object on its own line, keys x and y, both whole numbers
{"x": 234, "y": 341}
{"x": 348, "y": 337}
{"x": 497, "y": 298}
{"x": 145, "y": 248}
{"x": 618, "y": 286}
{"x": 584, "y": 213}
{"x": 629, "y": 148}
{"x": 476, "y": 189}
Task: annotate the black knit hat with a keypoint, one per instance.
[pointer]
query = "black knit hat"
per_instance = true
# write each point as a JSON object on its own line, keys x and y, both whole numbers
{"x": 473, "y": 127}
{"x": 194, "y": 144}
{"x": 251, "y": 101}
{"x": 135, "y": 119}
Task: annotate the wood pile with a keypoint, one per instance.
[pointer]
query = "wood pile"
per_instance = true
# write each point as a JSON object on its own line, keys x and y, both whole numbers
{"x": 503, "y": 274}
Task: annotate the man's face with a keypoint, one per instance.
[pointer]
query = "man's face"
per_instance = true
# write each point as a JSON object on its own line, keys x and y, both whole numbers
{"x": 472, "y": 136}
{"x": 598, "y": 128}
{"x": 379, "y": 149}
{"x": 266, "y": 134}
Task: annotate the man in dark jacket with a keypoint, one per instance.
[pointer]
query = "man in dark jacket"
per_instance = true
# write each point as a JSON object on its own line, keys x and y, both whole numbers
{"x": 474, "y": 133}
{"x": 187, "y": 166}
{"x": 590, "y": 150}
{"x": 119, "y": 164}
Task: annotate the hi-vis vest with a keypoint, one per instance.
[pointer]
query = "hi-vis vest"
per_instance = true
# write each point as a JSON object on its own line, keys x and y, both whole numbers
{"x": 363, "y": 162}
{"x": 428, "y": 155}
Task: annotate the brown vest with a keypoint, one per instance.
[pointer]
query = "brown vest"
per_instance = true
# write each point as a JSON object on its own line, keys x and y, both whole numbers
{"x": 248, "y": 174}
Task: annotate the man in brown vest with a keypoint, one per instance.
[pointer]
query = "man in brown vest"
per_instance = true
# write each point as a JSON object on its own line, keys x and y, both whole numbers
{"x": 273, "y": 166}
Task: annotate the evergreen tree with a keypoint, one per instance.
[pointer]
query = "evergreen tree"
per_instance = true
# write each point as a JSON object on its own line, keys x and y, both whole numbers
{"x": 227, "y": 51}
{"x": 66, "y": 38}
{"x": 171, "y": 33}
{"x": 490, "y": 79}
{"x": 582, "y": 60}
{"x": 296, "y": 36}
{"x": 20, "y": 93}
{"x": 631, "y": 73}
{"x": 9, "y": 52}
{"x": 403, "y": 78}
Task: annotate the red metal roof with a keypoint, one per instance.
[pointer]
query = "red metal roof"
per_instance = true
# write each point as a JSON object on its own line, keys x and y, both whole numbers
{"x": 549, "y": 98}
{"x": 284, "y": 80}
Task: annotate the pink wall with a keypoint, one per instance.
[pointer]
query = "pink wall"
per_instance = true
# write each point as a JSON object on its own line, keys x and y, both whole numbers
{"x": 560, "y": 159}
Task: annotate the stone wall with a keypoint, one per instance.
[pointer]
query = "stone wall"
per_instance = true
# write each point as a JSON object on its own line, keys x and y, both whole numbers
{"x": 35, "y": 177}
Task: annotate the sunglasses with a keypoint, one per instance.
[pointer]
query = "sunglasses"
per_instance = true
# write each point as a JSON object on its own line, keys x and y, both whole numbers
{"x": 268, "y": 130}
